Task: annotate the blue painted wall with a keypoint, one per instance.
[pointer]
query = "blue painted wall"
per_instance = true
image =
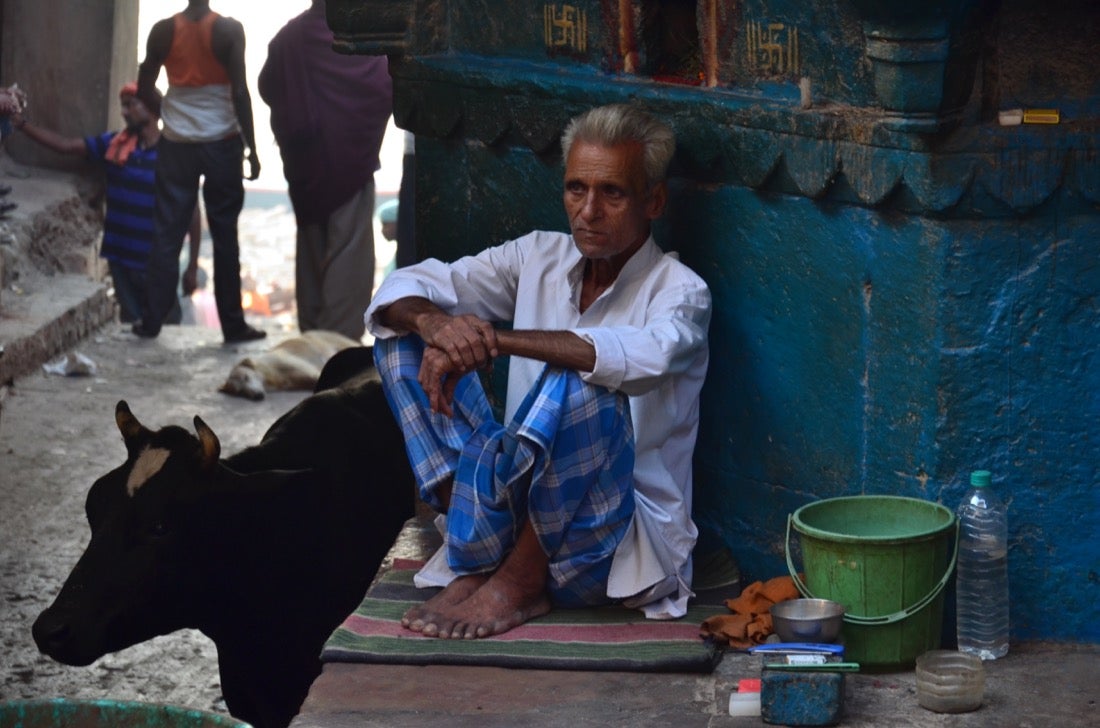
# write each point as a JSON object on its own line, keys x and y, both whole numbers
{"x": 855, "y": 355}
{"x": 904, "y": 290}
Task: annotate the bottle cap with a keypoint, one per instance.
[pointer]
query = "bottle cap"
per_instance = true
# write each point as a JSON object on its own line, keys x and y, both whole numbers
{"x": 981, "y": 478}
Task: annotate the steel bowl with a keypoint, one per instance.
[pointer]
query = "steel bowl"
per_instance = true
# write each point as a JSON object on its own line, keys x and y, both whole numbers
{"x": 807, "y": 620}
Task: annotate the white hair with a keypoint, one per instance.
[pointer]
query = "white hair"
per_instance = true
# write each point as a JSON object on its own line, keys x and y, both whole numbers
{"x": 623, "y": 123}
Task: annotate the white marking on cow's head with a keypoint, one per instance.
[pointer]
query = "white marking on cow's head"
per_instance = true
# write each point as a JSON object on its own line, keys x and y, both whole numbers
{"x": 148, "y": 464}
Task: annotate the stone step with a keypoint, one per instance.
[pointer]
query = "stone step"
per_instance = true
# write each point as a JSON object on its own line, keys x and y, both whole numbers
{"x": 51, "y": 290}
{"x": 42, "y": 321}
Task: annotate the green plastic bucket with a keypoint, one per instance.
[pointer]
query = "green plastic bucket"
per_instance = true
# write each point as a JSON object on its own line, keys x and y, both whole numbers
{"x": 887, "y": 559}
{"x": 65, "y": 713}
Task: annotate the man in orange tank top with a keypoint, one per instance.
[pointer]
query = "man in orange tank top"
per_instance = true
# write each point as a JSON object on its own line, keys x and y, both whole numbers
{"x": 208, "y": 131}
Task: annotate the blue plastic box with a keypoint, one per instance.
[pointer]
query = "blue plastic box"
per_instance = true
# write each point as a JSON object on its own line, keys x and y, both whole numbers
{"x": 801, "y": 698}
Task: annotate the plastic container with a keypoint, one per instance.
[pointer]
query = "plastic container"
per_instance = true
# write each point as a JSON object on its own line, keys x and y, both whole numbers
{"x": 887, "y": 559}
{"x": 745, "y": 700}
{"x": 69, "y": 713}
{"x": 744, "y": 703}
{"x": 982, "y": 588}
{"x": 950, "y": 681}
{"x": 801, "y": 697}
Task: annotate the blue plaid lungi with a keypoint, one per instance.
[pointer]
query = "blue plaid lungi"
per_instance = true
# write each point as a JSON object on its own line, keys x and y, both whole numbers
{"x": 564, "y": 463}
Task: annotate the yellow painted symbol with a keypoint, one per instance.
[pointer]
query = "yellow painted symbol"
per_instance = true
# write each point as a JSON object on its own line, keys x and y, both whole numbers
{"x": 565, "y": 27}
{"x": 772, "y": 48}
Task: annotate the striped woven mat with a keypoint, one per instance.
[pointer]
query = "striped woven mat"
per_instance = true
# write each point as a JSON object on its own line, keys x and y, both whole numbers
{"x": 598, "y": 638}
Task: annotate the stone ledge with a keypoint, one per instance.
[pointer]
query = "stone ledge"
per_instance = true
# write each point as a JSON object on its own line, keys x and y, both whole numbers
{"x": 52, "y": 294}
{"x": 38, "y": 324}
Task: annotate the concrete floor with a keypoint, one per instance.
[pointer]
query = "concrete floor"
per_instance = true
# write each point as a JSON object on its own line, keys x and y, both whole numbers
{"x": 1037, "y": 685}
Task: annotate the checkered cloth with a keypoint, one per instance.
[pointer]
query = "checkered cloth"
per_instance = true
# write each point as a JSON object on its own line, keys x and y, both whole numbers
{"x": 565, "y": 462}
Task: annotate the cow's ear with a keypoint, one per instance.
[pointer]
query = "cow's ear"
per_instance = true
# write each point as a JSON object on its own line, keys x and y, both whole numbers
{"x": 128, "y": 425}
{"x": 211, "y": 448}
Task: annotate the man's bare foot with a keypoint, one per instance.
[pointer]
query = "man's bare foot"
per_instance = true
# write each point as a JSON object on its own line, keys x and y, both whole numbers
{"x": 458, "y": 590}
{"x": 500, "y": 604}
{"x": 514, "y": 594}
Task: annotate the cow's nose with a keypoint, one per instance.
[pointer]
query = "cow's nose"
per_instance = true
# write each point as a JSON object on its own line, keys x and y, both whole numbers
{"x": 50, "y": 631}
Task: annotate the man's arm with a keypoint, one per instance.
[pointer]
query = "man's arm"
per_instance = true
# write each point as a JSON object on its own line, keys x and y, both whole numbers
{"x": 228, "y": 46}
{"x": 156, "y": 50}
{"x": 467, "y": 341}
{"x": 562, "y": 349}
{"x": 457, "y": 345}
{"x": 48, "y": 138}
{"x": 472, "y": 342}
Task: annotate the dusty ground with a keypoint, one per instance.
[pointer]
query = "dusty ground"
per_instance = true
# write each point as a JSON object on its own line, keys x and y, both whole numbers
{"x": 57, "y": 435}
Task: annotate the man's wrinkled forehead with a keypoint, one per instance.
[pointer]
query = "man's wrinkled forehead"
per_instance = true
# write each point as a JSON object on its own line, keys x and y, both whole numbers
{"x": 623, "y": 161}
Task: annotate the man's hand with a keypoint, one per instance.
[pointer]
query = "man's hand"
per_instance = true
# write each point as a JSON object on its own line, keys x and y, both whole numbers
{"x": 439, "y": 378}
{"x": 453, "y": 347}
{"x": 12, "y": 100}
{"x": 190, "y": 279}
{"x": 468, "y": 342}
{"x": 253, "y": 166}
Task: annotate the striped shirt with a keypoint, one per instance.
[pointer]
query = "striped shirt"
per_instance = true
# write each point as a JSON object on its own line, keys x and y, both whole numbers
{"x": 128, "y": 226}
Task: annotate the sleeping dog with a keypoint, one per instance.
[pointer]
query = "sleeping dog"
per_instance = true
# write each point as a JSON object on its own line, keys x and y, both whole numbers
{"x": 292, "y": 364}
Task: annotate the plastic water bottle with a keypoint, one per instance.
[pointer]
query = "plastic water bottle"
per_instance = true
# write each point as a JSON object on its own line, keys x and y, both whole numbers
{"x": 982, "y": 587}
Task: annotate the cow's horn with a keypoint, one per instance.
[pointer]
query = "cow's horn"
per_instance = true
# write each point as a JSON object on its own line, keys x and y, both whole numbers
{"x": 128, "y": 425}
{"x": 211, "y": 448}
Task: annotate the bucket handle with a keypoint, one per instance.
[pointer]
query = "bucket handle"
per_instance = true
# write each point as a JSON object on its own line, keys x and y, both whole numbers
{"x": 888, "y": 618}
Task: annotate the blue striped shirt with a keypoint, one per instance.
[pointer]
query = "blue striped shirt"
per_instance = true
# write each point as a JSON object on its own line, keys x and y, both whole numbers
{"x": 131, "y": 191}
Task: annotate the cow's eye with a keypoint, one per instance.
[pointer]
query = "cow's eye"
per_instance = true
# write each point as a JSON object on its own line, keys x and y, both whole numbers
{"x": 158, "y": 529}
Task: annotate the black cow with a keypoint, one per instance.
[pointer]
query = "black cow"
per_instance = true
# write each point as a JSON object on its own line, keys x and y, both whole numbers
{"x": 265, "y": 552}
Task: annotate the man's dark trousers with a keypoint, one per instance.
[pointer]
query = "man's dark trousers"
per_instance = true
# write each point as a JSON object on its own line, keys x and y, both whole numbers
{"x": 179, "y": 167}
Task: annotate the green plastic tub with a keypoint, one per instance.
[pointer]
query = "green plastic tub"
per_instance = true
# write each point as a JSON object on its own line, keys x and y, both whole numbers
{"x": 887, "y": 559}
{"x": 65, "y": 713}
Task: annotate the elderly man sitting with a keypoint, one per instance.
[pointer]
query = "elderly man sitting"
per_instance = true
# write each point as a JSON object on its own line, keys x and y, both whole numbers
{"x": 583, "y": 496}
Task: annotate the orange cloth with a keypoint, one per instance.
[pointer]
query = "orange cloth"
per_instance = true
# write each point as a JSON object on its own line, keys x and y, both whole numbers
{"x": 121, "y": 147}
{"x": 751, "y": 621}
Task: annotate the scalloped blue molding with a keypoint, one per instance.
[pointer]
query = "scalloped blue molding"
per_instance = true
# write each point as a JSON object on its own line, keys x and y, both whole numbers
{"x": 757, "y": 142}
